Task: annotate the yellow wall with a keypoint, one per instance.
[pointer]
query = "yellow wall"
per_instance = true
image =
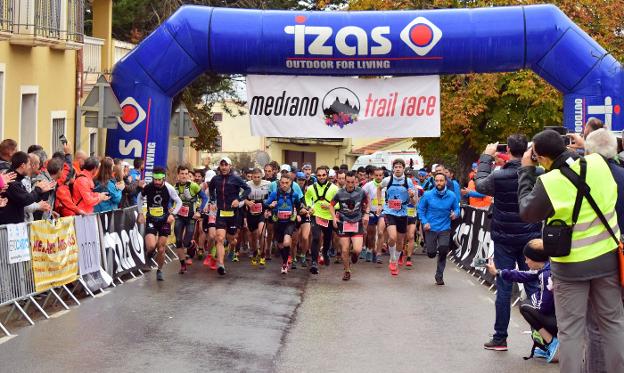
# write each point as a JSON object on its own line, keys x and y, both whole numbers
{"x": 325, "y": 155}
{"x": 53, "y": 73}
{"x": 236, "y": 132}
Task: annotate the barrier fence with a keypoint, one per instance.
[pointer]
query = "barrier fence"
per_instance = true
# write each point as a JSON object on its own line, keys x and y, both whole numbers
{"x": 39, "y": 259}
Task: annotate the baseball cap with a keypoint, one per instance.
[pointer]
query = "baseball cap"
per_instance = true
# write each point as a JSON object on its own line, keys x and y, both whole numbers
{"x": 474, "y": 165}
{"x": 226, "y": 160}
{"x": 285, "y": 167}
{"x": 332, "y": 173}
{"x": 300, "y": 175}
{"x": 125, "y": 164}
{"x": 306, "y": 166}
{"x": 422, "y": 173}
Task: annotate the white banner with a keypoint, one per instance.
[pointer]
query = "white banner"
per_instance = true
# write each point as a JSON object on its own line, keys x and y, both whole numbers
{"x": 88, "y": 239}
{"x": 334, "y": 107}
{"x": 18, "y": 242}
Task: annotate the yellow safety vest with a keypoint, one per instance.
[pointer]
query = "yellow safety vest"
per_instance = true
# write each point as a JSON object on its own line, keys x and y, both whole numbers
{"x": 590, "y": 238}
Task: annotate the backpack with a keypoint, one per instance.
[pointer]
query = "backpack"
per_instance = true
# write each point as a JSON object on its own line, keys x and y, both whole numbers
{"x": 390, "y": 183}
{"x": 320, "y": 198}
{"x": 292, "y": 203}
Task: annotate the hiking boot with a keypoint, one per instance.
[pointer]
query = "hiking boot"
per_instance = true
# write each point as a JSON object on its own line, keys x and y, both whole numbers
{"x": 346, "y": 276}
{"x": 314, "y": 268}
{"x": 159, "y": 275}
{"x": 440, "y": 281}
{"x": 496, "y": 344}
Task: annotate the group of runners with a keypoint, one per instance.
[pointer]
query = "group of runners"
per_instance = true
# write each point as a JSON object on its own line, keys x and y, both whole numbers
{"x": 301, "y": 217}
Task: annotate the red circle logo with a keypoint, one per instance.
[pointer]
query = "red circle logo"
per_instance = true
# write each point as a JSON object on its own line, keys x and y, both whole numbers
{"x": 300, "y": 19}
{"x": 421, "y": 35}
{"x": 129, "y": 114}
{"x": 616, "y": 109}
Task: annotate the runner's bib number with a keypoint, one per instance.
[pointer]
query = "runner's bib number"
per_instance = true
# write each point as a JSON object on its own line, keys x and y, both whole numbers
{"x": 226, "y": 213}
{"x": 184, "y": 211}
{"x": 256, "y": 208}
{"x": 322, "y": 222}
{"x": 411, "y": 212}
{"x": 156, "y": 211}
{"x": 376, "y": 202}
{"x": 350, "y": 227}
{"x": 284, "y": 215}
{"x": 395, "y": 204}
{"x": 212, "y": 219}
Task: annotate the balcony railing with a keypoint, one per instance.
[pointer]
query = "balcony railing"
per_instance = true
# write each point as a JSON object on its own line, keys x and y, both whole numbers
{"x": 59, "y": 23}
{"x": 6, "y": 15}
{"x": 92, "y": 55}
{"x": 120, "y": 49}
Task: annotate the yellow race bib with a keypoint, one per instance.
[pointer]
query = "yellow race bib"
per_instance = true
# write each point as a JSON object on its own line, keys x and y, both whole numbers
{"x": 156, "y": 211}
{"x": 226, "y": 213}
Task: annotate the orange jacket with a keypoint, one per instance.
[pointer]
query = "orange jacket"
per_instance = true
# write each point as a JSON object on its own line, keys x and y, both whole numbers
{"x": 83, "y": 194}
{"x": 483, "y": 202}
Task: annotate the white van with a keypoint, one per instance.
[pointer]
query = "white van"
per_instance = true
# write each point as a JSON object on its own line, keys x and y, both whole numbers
{"x": 385, "y": 158}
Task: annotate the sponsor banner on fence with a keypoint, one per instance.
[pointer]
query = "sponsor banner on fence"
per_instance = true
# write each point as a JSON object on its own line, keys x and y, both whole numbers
{"x": 336, "y": 107}
{"x": 18, "y": 242}
{"x": 54, "y": 253}
{"x": 473, "y": 239}
{"x": 122, "y": 242}
{"x": 89, "y": 254}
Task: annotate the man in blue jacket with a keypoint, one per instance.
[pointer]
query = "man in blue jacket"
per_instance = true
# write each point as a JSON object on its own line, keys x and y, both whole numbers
{"x": 436, "y": 210}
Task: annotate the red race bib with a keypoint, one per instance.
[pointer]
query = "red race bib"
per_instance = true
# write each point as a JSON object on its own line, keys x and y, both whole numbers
{"x": 212, "y": 219}
{"x": 350, "y": 227}
{"x": 322, "y": 222}
{"x": 284, "y": 215}
{"x": 184, "y": 211}
{"x": 395, "y": 204}
{"x": 256, "y": 208}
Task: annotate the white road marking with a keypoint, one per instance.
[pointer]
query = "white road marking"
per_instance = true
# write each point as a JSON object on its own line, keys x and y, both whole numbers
{"x": 7, "y": 338}
{"x": 59, "y": 314}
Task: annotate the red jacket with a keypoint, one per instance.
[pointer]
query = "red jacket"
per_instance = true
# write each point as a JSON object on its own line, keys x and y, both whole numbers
{"x": 64, "y": 204}
{"x": 83, "y": 194}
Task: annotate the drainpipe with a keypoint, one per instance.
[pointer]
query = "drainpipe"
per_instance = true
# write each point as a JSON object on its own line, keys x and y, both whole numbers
{"x": 79, "y": 89}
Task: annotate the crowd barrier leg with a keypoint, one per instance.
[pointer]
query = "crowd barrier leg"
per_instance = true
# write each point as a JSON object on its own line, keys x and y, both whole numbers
{"x": 17, "y": 306}
{"x": 34, "y": 301}
{"x": 175, "y": 256}
{"x": 57, "y": 299}
{"x": 71, "y": 295}
{"x": 85, "y": 287}
{"x": 5, "y": 330}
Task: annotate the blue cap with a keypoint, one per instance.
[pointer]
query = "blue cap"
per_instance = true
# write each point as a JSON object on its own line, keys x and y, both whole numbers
{"x": 474, "y": 165}
{"x": 300, "y": 175}
{"x": 422, "y": 173}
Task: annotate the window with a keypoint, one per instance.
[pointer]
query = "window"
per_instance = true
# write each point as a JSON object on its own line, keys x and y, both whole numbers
{"x": 58, "y": 130}
{"x": 217, "y": 117}
{"x": 93, "y": 144}
{"x": 28, "y": 117}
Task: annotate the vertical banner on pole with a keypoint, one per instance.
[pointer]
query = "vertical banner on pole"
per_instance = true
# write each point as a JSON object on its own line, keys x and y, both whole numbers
{"x": 122, "y": 242}
{"x": 54, "y": 253}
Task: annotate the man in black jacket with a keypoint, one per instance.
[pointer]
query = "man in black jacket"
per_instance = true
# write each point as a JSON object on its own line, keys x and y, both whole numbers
{"x": 227, "y": 191}
{"x": 509, "y": 233}
{"x": 17, "y": 195}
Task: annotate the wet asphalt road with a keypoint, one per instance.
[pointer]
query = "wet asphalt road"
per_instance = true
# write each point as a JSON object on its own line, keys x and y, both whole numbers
{"x": 257, "y": 321}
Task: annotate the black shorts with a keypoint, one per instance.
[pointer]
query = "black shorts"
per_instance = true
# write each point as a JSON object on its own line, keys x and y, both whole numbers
{"x": 283, "y": 229}
{"x": 230, "y": 223}
{"x": 399, "y": 221}
{"x": 373, "y": 219}
{"x": 411, "y": 221}
{"x": 304, "y": 220}
{"x": 206, "y": 224}
{"x": 253, "y": 221}
{"x": 359, "y": 233}
{"x": 157, "y": 227}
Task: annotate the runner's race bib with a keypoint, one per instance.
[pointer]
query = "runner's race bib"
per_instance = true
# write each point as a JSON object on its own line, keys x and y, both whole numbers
{"x": 411, "y": 212}
{"x": 350, "y": 227}
{"x": 322, "y": 222}
{"x": 156, "y": 211}
{"x": 184, "y": 211}
{"x": 212, "y": 219}
{"x": 395, "y": 204}
{"x": 376, "y": 202}
{"x": 284, "y": 215}
{"x": 256, "y": 208}
{"x": 325, "y": 206}
{"x": 226, "y": 213}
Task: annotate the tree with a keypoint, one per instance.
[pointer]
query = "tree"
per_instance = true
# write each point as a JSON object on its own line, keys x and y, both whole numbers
{"x": 477, "y": 109}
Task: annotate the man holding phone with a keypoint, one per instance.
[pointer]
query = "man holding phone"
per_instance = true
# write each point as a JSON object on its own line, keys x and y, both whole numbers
{"x": 509, "y": 233}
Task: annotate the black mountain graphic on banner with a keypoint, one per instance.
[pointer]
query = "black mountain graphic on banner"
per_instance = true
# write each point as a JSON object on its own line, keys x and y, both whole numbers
{"x": 338, "y": 107}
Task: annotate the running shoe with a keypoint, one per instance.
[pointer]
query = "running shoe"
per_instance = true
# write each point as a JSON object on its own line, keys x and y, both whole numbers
{"x": 183, "y": 268}
{"x": 326, "y": 259}
{"x": 369, "y": 256}
{"x": 262, "y": 262}
{"x": 213, "y": 263}
{"x": 221, "y": 270}
{"x": 539, "y": 353}
{"x": 213, "y": 251}
{"x": 355, "y": 257}
{"x": 346, "y": 276}
{"x": 290, "y": 260}
{"x": 293, "y": 265}
{"x": 314, "y": 268}
{"x": 235, "y": 257}
{"x": 496, "y": 345}
{"x": 553, "y": 349}
{"x": 401, "y": 259}
{"x": 408, "y": 262}
{"x": 284, "y": 269}
{"x": 363, "y": 254}
{"x": 338, "y": 260}
{"x": 379, "y": 260}
{"x": 254, "y": 261}
{"x": 189, "y": 261}
{"x": 159, "y": 275}
{"x": 321, "y": 259}
{"x": 394, "y": 268}
{"x": 303, "y": 262}
{"x": 332, "y": 252}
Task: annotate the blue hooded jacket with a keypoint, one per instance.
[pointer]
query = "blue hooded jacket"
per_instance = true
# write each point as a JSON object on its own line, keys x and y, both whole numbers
{"x": 435, "y": 209}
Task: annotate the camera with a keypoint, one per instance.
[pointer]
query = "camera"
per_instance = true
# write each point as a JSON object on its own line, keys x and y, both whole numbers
{"x": 63, "y": 139}
{"x": 501, "y": 148}
{"x": 479, "y": 262}
{"x": 561, "y": 131}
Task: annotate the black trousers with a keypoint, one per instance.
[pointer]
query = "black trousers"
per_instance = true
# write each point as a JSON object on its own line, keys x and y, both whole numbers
{"x": 316, "y": 239}
{"x": 538, "y": 320}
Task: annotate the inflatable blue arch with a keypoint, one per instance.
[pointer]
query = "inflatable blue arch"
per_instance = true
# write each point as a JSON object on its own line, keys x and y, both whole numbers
{"x": 448, "y": 41}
